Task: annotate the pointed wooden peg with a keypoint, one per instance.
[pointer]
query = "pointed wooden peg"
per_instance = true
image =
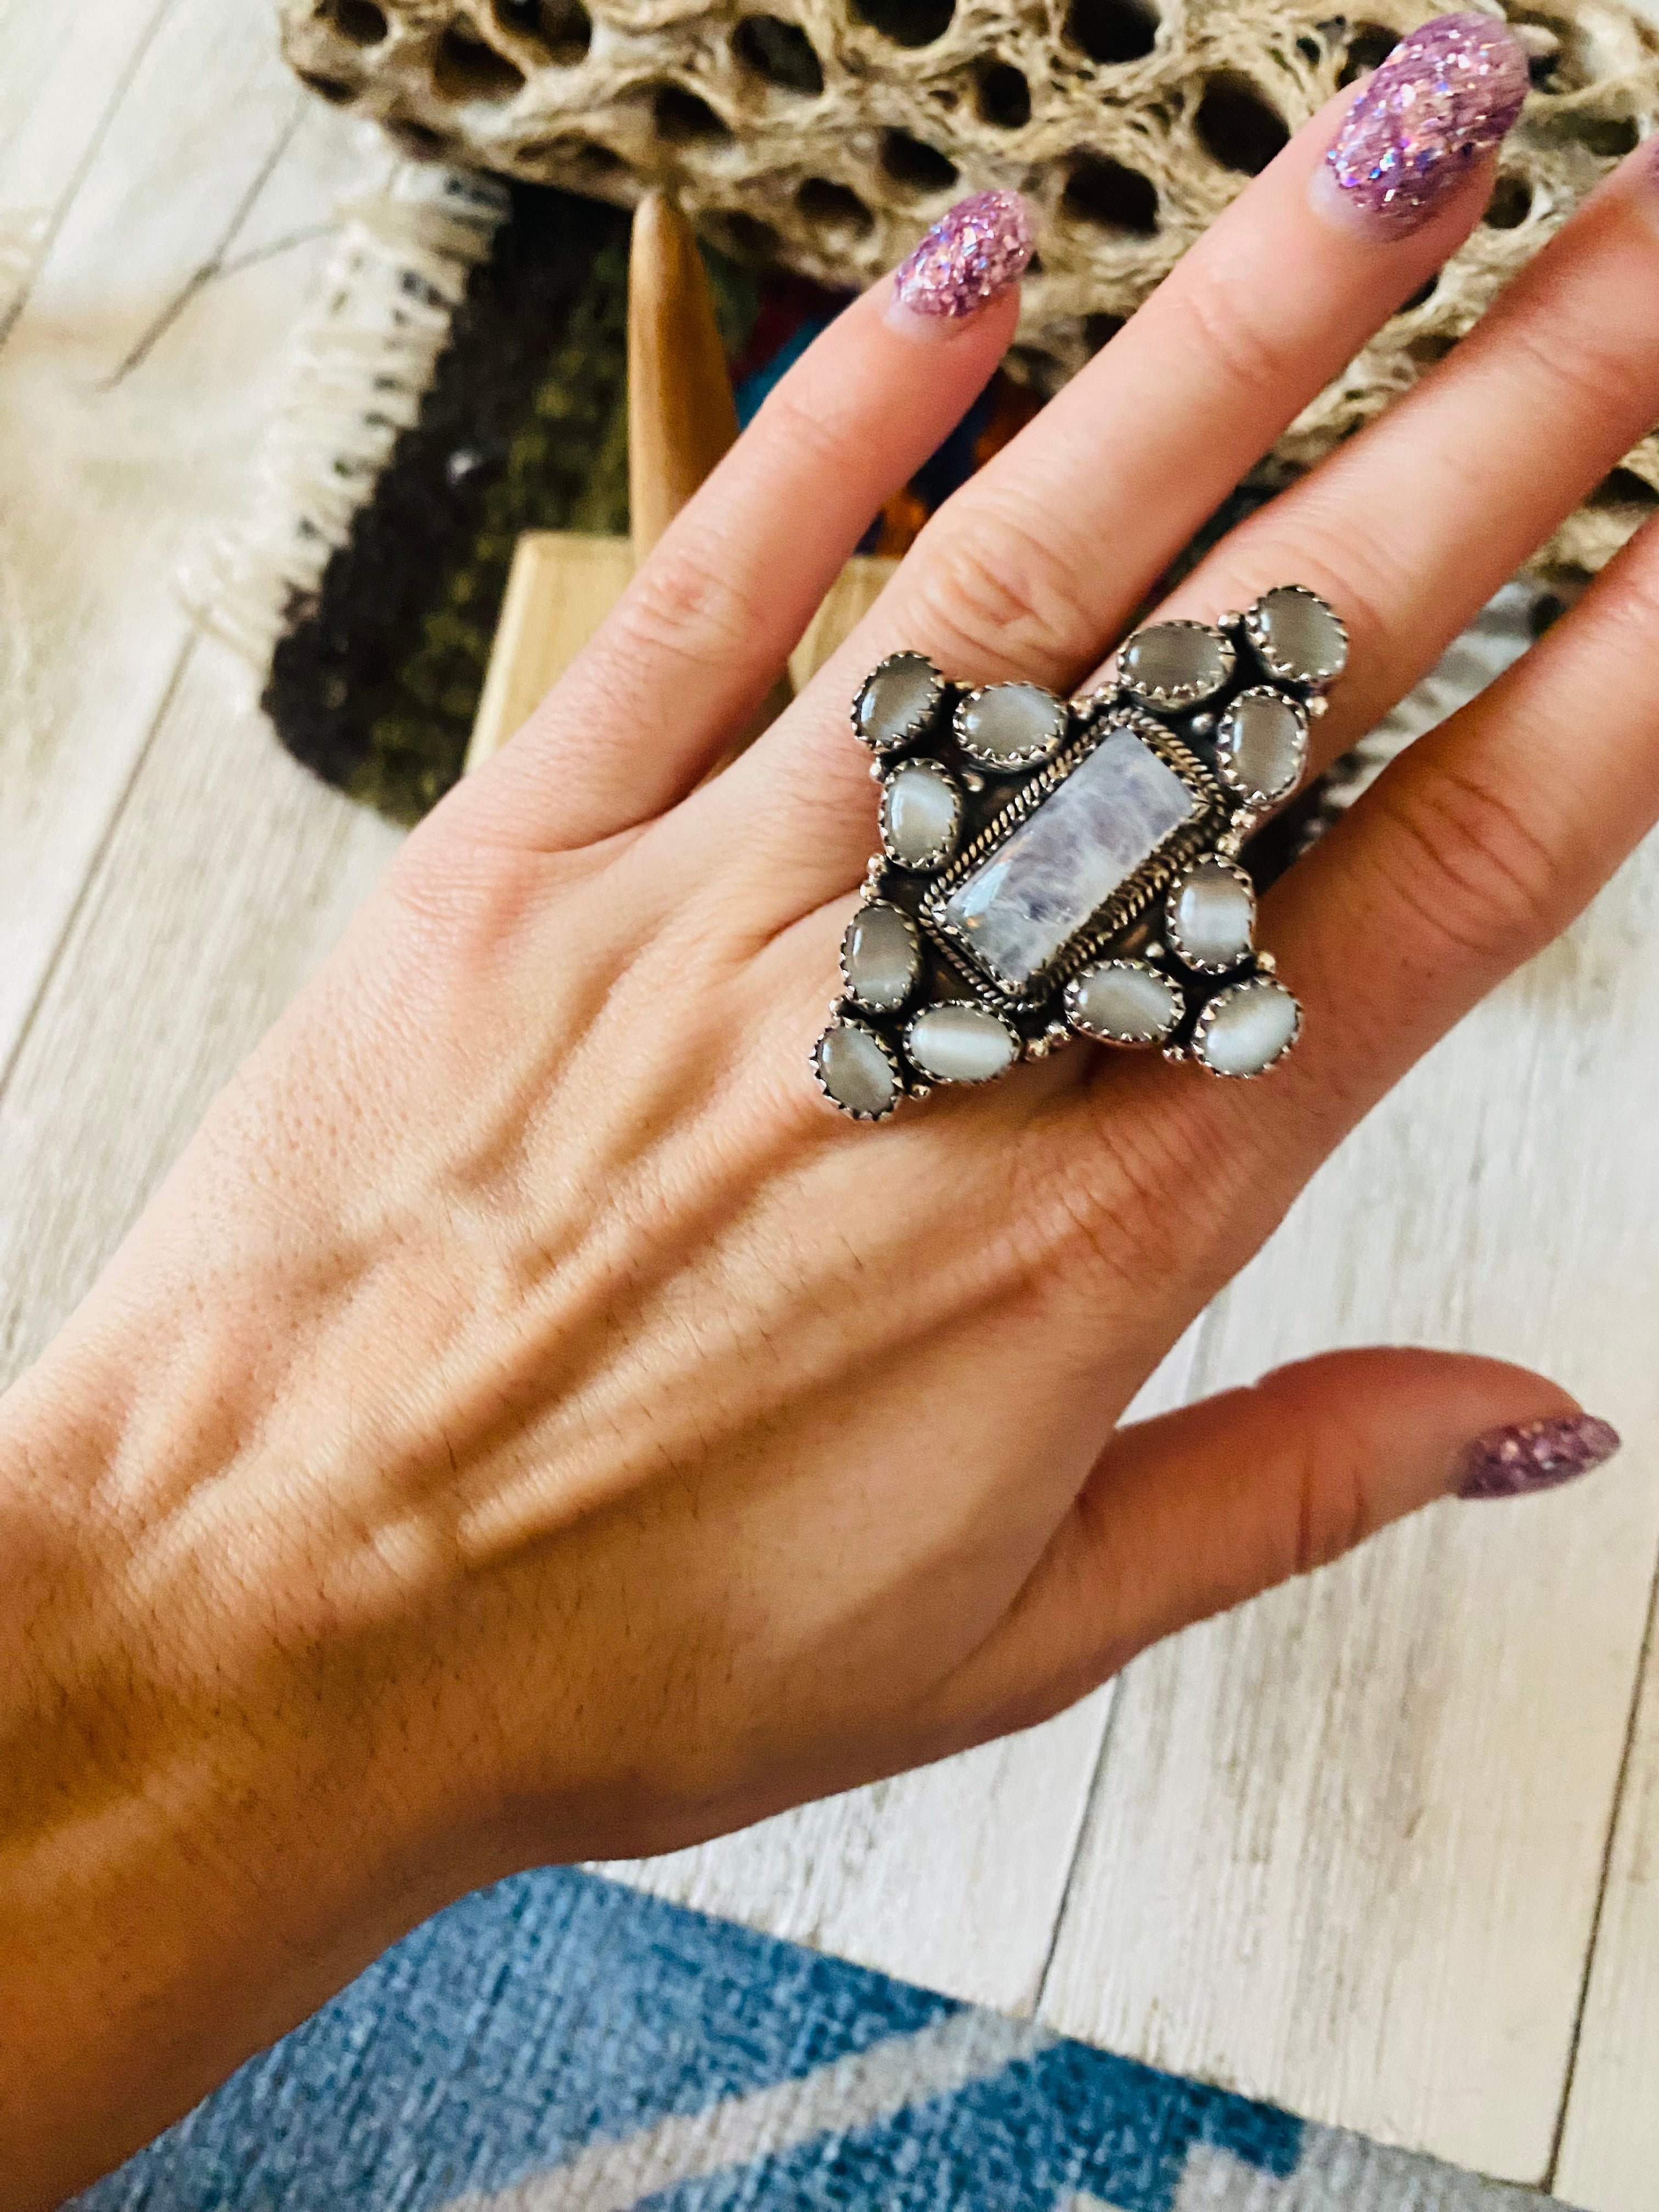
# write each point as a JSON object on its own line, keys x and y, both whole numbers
{"x": 682, "y": 418}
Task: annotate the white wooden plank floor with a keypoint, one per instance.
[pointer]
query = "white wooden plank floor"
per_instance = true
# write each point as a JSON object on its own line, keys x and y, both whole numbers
{"x": 1610, "y": 2141}
{"x": 1385, "y": 1846}
{"x": 1348, "y": 1842}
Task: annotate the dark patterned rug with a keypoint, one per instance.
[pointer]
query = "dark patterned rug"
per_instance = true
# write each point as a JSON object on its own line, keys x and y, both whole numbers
{"x": 375, "y": 674}
{"x": 375, "y": 669}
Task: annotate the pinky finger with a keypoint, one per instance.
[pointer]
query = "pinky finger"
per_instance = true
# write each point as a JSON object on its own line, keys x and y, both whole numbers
{"x": 1195, "y": 1512}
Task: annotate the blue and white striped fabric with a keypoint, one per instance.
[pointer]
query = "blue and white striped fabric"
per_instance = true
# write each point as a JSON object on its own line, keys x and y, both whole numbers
{"x": 558, "y": 2044}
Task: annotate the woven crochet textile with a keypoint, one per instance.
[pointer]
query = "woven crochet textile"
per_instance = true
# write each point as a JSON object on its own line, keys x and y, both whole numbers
{"x": 824, "y": 135}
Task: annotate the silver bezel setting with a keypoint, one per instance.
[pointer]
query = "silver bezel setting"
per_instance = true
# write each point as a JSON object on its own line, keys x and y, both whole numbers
{"x": 914, "y": 935}
{"x": 972, "y": 1006}
{"x": 1252, "y": 793}
{"x": 843, "y": 1020}
{"x": 1207, "y": 1018}
{"x": 1255, "y": 630}
{"x": 1126, "y": 904}
{"x": 918, "y": 722}
{"x": 1014, "y": 763}
{"x": 1075, "y": 1017}
{"x": 1177, "y": 943}
{"x": 1136, "y": 928}
{"x": 1179, "y": 695}
{"x": 940, "y": 856}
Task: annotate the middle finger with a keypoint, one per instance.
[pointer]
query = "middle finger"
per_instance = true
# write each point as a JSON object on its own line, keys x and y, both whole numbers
{"x": 1032, "y": 566}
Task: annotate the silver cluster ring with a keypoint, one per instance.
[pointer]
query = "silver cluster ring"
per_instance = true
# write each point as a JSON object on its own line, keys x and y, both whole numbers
{"x": 1051, "y": 870}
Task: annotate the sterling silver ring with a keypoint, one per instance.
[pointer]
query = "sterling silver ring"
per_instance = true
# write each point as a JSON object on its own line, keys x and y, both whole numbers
{"x": 1052, "y": 870}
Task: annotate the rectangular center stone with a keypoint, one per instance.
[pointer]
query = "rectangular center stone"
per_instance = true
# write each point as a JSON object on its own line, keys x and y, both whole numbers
{"x": 1020, "y": 907}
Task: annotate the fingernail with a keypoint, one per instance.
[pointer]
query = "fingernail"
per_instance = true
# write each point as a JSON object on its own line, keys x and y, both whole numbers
{"x": 1446, "y": 95}
{"x": 1536, "y": 1456}
{"x": 971, "y": 257}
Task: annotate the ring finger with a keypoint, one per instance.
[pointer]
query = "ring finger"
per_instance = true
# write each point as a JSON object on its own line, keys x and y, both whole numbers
{"x": 1474, "y": 850}
{"x": 1409, "y": 528}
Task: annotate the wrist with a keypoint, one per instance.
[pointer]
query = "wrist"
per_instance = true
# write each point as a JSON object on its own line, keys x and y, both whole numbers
{"x": 209, "y": 1818}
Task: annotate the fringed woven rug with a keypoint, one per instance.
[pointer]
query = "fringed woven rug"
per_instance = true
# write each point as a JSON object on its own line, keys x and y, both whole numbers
{"x": 558, "y": 2041}
{"x": 463, "y": 378}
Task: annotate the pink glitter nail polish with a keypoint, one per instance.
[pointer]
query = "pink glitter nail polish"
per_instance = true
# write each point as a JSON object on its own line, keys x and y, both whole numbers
{"x": 1536, "y": 1456}
{"x": 1447, "y": 93}
{"x": 972, "y": 254}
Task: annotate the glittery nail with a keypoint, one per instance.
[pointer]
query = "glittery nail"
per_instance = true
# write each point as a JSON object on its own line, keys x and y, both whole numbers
{"x": 971, "y": 257}
{"x": 1536, "y": 1456}
{"x": 1446, "y": 95}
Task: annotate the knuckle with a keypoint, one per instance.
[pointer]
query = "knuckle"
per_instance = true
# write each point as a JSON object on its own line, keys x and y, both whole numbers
{"x": 1100, "y": 1215}
{"x": 1327, "y": 1506}
{"x": 1256, "y": 351}
{"x": 1598, "y": 378}
{"x": 456, "y": 885}
{"x": 1001, "y": 589}
{"x": 815, "y": 429}
{"x": 1088, "y": 1225}
{"x": 685, "y": 607}
{"x": 1463, "y": 858}
{"x": 467, "y": 900}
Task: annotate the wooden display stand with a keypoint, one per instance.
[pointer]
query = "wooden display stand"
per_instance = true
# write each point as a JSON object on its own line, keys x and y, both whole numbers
{"x": 681, "y": 420}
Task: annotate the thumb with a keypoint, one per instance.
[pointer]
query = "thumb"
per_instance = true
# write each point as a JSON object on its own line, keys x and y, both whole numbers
{"x": 1185, "y": 1515}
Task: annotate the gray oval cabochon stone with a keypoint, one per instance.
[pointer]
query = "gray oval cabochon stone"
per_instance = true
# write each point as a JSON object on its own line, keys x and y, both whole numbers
{"x": 1253, "y": 1023}
{"x": 960, "y": 1044}
{"x": 918, "y": 812}
{"x": 857, "y": 1073}
{"x": 881, "y": 956}
{"x": 1126, "y": 1001}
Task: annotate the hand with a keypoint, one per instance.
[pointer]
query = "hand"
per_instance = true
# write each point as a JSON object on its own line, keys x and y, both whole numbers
{"x": 530, "y": 1424}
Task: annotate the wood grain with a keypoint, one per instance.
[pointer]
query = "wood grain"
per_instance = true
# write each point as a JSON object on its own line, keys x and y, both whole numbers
{"x": 1609, "y": 2156}
{"x": 682, "y": 418}
{"x": 130, "y": 387}
{"x": 559, "y": 590}
{"x": 1346, "y": 1848}
{"x": 172, "y": 971}
{"x": 65, "y": 71}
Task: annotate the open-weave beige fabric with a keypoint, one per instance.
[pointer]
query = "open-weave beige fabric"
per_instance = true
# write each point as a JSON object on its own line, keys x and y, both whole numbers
{"x": 827, "y": 134}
